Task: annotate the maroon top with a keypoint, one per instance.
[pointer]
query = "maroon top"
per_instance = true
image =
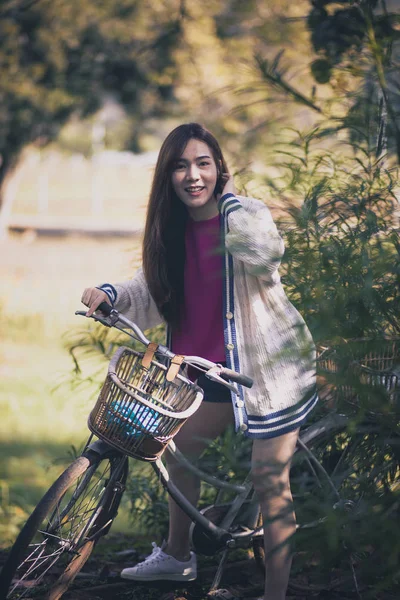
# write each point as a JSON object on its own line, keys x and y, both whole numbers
{"x": 201, "y": 329}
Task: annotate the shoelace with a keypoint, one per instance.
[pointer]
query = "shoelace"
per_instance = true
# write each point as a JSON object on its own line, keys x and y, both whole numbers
{"x": 153, "y": 557}
{"x": 155, "y": 550}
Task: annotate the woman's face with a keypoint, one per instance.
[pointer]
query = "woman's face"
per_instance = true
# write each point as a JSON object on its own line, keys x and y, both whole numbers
{"x": 194, "y": 179}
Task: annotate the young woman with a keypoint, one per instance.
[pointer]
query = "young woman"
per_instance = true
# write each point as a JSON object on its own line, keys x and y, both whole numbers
{"x": 210, "y": 272}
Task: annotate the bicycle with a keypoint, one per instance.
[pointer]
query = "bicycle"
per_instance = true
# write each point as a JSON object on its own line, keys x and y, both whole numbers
{"x": 144, "y": 401}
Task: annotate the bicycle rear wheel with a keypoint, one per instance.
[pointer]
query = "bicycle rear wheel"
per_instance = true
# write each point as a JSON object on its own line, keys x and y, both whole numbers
{"x": 59, "y": 536}
{"x": 337, "y": 491}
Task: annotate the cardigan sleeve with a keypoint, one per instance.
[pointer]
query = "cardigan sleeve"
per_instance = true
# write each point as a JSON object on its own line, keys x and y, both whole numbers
{"x": 133, "y": 300}
{"x": 253, "y": 237}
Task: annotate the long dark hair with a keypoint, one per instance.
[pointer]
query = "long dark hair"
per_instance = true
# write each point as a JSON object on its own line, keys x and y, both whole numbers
{"x": 164, "y": 235}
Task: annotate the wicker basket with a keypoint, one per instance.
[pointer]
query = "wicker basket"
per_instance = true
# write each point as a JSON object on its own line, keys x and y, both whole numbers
{"x": 138, "y": 411}
{"x": 361, "y": 368}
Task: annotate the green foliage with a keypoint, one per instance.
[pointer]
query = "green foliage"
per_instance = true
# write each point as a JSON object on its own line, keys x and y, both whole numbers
{"x": 98, "y": 341}
{"x": 227, "y": 457}
{"x": 61, "y": 58}
{"x": 342, "y": 261}
{"x": 148, "y": 502}
{"x": 356, "y": 50}
{"x": 162, "y": 62}
{"x": 92, "y": 347}
{"x": 357, "y": 45}
{"x": 335, "y": 32}
{"x": 356, "y": 533}
{"x": 12, "y": 515}
{"x": 339, "y": 28}
{"x": 342, "y": 270}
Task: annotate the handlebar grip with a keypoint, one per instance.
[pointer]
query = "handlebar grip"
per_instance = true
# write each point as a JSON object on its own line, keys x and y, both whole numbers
{"x": 237, "y": 377}
{"x": 105, "y": 308}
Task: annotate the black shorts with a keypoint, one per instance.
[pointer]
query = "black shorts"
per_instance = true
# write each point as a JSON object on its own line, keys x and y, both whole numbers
{"x": 213, "y": 391}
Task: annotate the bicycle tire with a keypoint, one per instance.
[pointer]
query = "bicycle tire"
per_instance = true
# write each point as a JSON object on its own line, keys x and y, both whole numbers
{"x": 351, "y": 476}
{"x": 58, "y": 537}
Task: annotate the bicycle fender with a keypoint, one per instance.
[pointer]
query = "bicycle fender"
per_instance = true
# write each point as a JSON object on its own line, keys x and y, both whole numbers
{"x": 98, "y": 450}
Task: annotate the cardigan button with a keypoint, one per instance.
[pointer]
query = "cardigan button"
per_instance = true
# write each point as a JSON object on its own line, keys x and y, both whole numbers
{"x": 229, "y": 315}
{"x": 240, "y": 403}
{"x": 243, "y": 427}
{"x": 230, "y": 346}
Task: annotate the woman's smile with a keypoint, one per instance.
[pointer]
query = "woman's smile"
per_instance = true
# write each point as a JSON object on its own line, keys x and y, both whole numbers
{"x": 195, "y": 190}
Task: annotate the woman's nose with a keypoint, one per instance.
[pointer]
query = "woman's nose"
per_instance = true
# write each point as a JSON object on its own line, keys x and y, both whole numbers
{"x": 193, "y": 173}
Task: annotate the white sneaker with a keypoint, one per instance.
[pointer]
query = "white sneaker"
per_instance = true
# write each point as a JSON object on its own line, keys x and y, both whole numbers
{"x": 161, "y": 566}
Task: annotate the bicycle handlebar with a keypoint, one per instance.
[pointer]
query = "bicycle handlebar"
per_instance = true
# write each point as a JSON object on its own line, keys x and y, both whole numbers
{"x": 114, "y": 315}
{"x": 214, "y": 371}
{"x": 105, "y": 308}
{"x": 237, "y": 377}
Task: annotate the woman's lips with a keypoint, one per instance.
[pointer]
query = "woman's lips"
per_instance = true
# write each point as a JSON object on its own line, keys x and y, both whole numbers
{"x": 194, "y": 191}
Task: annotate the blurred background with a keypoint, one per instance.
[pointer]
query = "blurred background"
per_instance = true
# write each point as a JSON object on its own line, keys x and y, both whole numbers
{"x": 304, "y": 99}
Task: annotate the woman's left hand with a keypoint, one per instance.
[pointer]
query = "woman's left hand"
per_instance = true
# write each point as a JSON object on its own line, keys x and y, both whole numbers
{"x": 229, "y": 186}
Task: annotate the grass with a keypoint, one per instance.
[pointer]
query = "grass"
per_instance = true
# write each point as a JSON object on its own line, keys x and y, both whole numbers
{"x": 44, "y": 417}
{"x": 43, "y": 424}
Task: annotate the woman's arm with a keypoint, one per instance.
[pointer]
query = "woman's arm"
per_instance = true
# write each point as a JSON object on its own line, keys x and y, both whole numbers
{"x": 253, "y": 237}
{"x": 136, "y": 303}
{"x": 131, "y": 298}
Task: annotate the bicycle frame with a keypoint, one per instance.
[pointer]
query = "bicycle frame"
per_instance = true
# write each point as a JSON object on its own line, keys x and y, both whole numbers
{"x": 219, "y": 533}
{"x": 244, "y": 493}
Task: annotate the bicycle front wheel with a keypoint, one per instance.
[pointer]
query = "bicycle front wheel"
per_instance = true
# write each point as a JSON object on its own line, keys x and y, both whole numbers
{"x": 59, "y": 536}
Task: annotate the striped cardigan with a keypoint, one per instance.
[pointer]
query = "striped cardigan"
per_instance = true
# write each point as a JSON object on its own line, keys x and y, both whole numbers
{"x": 265, "y": 336}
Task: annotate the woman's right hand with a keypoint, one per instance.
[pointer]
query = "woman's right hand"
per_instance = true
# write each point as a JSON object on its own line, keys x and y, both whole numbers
{"x": 92, "y": 297}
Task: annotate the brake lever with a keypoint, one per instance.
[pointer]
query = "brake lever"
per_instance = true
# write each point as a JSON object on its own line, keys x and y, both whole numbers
{"x": 110, "y": 322}
{"x": 213, "y": 375}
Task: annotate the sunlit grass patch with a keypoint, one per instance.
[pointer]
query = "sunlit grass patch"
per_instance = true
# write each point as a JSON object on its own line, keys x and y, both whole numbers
{"x": 26, "y": 472}
{"x": 43, "y": 428}
{"x": 32, "y": 405}
{"x": 44, "y": 415}
{"x": 42, "y": 422}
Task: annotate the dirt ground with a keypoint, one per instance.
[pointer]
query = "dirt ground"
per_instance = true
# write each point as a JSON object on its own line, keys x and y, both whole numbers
{"x": 241, "y": 580}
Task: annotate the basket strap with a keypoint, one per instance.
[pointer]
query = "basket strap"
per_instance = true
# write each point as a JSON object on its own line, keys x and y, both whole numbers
{"x": 149, "y": 354}
{"x": 174, "y": 367}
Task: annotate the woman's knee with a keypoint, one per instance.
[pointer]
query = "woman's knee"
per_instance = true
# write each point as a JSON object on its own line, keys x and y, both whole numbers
{"x": 191, "y": 448}
{"x": 270, "y": 481}
{"x": 270, "y": 467}
{"x": 275, "y": 498}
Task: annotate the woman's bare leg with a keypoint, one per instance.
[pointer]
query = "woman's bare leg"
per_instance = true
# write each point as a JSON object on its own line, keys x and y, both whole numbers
{"x": 270, "y": 472}
{"x": 209, "y": 421}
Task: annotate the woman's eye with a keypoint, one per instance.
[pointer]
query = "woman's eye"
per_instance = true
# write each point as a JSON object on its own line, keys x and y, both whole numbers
{"x": 179, "y": 166}
{"x": 204, "y": 163}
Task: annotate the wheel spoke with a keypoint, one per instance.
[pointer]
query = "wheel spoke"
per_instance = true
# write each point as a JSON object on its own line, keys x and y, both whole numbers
{"x": 36, "y": 565}
{"x": 62, "y": 534}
